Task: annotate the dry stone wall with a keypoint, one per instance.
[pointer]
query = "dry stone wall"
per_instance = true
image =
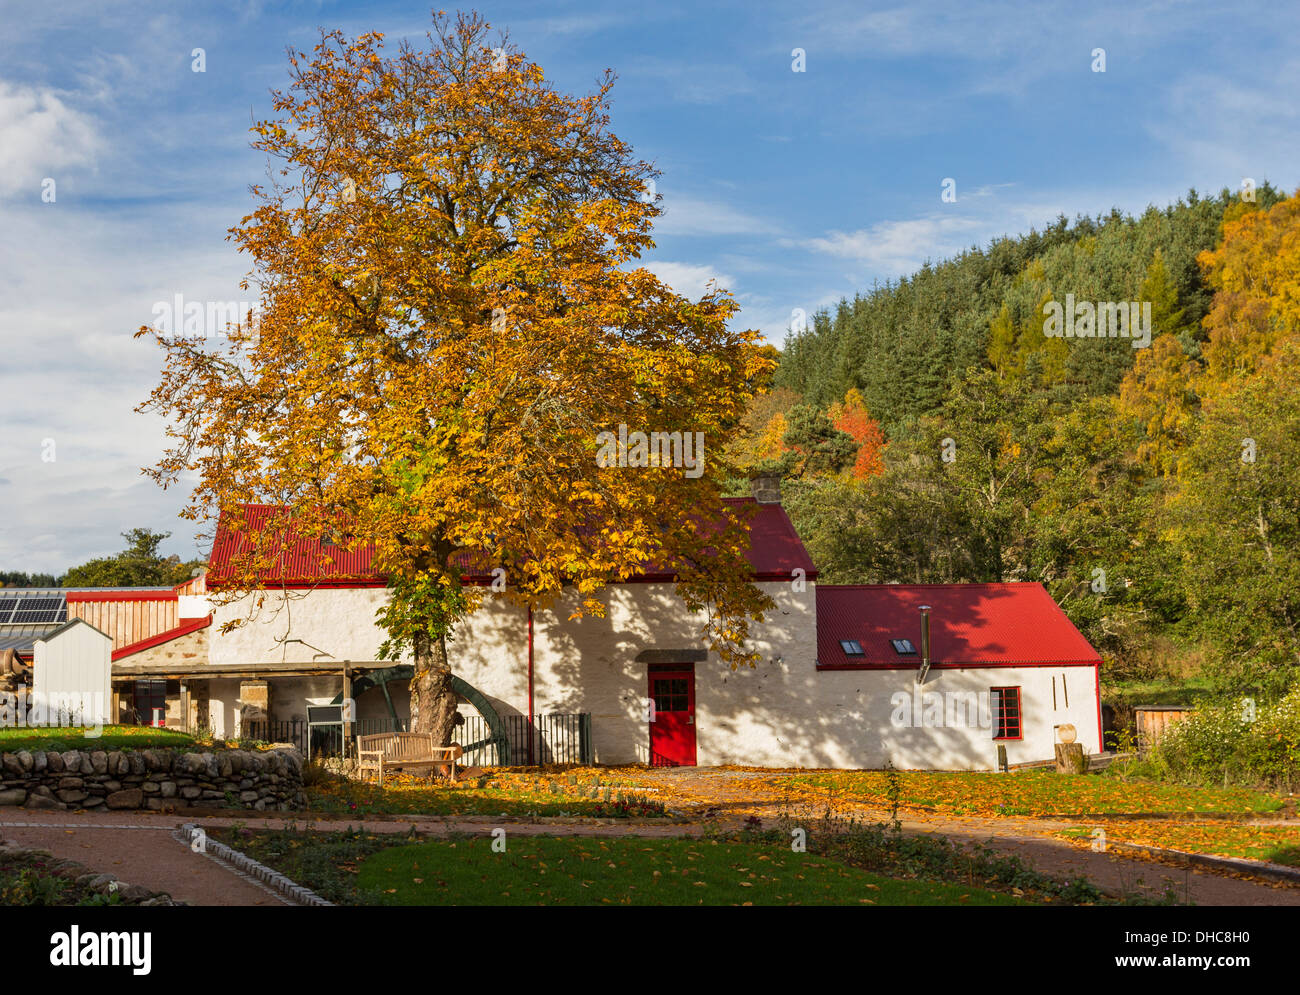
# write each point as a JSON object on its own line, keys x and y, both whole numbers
{"x": 152, "y": 779}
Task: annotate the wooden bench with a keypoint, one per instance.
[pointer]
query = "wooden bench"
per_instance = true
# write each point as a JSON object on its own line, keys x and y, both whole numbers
{"x": 404, "y": 751}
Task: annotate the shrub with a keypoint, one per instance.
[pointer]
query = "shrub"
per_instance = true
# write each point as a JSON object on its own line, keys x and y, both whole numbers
{"x": 1230, "y": 744}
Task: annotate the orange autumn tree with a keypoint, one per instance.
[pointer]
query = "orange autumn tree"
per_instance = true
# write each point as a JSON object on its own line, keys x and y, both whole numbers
{"x": 450, "y": 316}
{"x": 762, "y": 429}
{"x": 852, "y": 417}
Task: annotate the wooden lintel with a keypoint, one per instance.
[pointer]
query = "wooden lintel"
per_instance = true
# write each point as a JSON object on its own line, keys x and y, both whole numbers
{"x": 161, "y": 671}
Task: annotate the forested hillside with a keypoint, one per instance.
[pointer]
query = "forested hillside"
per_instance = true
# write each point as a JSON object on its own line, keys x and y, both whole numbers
{"x": 931, "y": 431}
{"x": 903, "y": 345}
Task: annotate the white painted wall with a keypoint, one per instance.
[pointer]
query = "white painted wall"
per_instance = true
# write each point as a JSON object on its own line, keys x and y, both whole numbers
{"x": 223, "y": 705}
{"x": 779, "y": 717}
{"x": 193, "y": 606}
{"x": 340, "y": 622}
{"x": 782, "y": 713}
{"x": 73, "y": 670}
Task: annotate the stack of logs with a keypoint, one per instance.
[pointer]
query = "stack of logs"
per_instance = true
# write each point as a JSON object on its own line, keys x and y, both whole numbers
{"x": 15, "y": 675}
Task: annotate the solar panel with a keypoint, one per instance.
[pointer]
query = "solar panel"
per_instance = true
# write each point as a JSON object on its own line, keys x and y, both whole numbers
{"x": 38, "y": 604}
{"x": 30, "y": 611}
{"x": 8, "y": 602}
{"x": 35, "y": 618}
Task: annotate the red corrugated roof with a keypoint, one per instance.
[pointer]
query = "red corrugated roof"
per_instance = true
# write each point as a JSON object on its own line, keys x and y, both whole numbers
{"x": 158, "y": 638}
{"x": 297, "y": 560}
{"x": 985, "y": 624}
{"x": 775, "y": 552}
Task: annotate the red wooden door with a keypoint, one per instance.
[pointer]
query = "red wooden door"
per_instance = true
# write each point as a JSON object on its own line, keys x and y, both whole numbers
{"x": 672, "y": 720}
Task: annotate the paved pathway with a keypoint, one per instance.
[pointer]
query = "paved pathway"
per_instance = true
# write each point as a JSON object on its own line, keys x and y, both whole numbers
{"x": 139, "y": 851}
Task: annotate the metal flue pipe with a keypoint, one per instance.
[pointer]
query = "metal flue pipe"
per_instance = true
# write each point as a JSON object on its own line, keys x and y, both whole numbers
{"x": 925, "y": 645}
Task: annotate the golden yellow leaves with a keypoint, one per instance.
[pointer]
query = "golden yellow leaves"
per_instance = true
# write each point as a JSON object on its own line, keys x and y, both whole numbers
{"x": 448, "y": 323}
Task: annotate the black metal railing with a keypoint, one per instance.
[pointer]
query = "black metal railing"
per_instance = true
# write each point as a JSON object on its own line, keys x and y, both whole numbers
{"x": 551, "y": 739}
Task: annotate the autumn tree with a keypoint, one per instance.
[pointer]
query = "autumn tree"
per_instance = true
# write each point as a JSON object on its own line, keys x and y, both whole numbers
{"x": 451, "y": 315}
{"x": 1157, "y": 289}
{"x": 1014, "y": 345}
{"x": 763, "y": 428}
{"x": 1160, "y": 394}
{"x": 851, "y": 417}
{"x": 813, "y": 445}
{"x": 1255, "y": 273}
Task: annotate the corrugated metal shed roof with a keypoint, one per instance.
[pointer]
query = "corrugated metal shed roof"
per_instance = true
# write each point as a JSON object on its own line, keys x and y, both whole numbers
{"x": 970, "y": 624}
{"x": 21, "y": 638}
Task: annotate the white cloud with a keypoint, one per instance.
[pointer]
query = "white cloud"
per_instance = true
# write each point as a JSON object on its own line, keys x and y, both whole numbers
{"x": 40, "y": 135}
{"x": 693, "y": 216}
{"x": 79, "y": 285}
{"x": 688, "y": 279}
{"x": 898, "y": 247}
{"x": 1225, "y": 128}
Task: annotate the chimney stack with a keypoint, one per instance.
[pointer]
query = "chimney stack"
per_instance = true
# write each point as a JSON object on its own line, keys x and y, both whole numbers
{"x": 766, "y": 488}
{"x": 925, "y": 645}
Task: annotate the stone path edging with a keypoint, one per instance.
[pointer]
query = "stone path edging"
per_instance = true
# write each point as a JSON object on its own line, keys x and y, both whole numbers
{"x": 100, "y": 883}
{"x": 260, "y": 872}
{"x": 1240, "y": 865}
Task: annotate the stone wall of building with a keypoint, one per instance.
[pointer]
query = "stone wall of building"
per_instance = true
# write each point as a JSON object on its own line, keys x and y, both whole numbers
{"x": 152, "y": 779}
{"x": 189, "y": 650}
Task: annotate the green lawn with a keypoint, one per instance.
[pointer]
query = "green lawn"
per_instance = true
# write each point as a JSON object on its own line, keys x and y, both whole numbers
{"x": 1159, "y": 691}
{"x": 13, "y": 739}
{"x": 544, "y": 870}
{"x": 1033, "y": 793}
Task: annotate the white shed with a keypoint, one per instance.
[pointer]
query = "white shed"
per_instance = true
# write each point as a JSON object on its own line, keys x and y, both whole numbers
{"x": 72, "y": 674}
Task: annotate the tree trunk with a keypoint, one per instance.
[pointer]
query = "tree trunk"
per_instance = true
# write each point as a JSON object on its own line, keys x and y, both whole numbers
{"x": 433, "y": 702}
{"x": 1070, "y": 759}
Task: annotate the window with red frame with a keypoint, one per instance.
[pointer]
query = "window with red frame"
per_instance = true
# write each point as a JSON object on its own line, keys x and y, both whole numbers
{"x": 1006, "y": 713}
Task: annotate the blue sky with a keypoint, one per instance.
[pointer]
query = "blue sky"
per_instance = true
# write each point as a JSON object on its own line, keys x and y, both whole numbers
{"x": 792, "y": 189}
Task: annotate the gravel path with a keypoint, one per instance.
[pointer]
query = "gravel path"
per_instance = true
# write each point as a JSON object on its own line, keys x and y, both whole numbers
{"x": 140, "y": 851}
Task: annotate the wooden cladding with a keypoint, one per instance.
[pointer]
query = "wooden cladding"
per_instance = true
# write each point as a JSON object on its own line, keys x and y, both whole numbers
{"x": 127, "y": 622}
{"x": 1153, "y": 721}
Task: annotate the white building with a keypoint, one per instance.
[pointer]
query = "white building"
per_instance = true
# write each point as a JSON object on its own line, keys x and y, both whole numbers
{"x": 836, "y": 684}
{"x": 72, "y": 675}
